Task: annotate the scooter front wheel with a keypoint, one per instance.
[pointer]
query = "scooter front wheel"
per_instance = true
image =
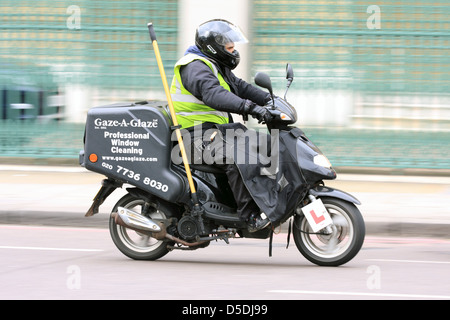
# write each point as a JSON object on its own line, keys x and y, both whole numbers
{"x": 337, "y": 244}
{"x": 132, "y": 243}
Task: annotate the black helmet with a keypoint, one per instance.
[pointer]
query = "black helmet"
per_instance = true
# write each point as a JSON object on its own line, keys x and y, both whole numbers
{"x": 211, "y": 38}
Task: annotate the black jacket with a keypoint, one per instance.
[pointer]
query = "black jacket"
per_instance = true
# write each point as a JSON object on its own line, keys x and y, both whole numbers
{"x": 201, "y": 82}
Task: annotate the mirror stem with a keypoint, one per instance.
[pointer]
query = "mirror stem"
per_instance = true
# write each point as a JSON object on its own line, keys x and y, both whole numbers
{"x": 287, "y": 87}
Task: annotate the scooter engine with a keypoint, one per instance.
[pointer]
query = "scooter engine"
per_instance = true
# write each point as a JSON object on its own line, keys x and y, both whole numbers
{"x": 188, "y": 228}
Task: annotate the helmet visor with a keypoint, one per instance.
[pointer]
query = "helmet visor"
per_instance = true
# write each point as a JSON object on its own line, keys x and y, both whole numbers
{"x": 223, "y": 31}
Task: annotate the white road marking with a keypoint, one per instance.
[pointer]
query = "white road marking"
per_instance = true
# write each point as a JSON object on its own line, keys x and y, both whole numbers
{"x": 50, "y": 249}
{"x": 409, "y": 261}
{"x": 362, "y": 294}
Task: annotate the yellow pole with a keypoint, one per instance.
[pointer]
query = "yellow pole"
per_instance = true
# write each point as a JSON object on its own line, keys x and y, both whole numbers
{"x": 171, "y": 108}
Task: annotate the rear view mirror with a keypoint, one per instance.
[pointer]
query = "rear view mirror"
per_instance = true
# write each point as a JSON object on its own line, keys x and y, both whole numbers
{"x": 263, "y": 80}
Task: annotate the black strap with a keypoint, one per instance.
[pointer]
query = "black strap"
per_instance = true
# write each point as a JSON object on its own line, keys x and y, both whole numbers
{"x": 270, "y": 243}
{"x": 289, "y": 233}
{"x": 204, "y": 126}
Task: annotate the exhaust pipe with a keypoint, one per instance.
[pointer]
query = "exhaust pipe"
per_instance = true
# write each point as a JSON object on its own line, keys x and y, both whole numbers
{"x": 130, "y": 219}
{"x": 133, "y": 220}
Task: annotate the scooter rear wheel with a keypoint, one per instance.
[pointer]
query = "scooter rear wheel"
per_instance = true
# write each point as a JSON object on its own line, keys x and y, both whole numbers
{"x": 339, "y": 246}
{"x": 132, "y": 243}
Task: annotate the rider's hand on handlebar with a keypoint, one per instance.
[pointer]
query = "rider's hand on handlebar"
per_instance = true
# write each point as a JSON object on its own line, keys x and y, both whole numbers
{"x": 261, "y": 113}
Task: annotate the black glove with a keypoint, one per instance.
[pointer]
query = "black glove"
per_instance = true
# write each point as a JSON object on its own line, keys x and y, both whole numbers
{"x": 262, "y": 114}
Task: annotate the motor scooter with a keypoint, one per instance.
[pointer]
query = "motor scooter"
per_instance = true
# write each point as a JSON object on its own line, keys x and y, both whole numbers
{"x": 132, "y": 144}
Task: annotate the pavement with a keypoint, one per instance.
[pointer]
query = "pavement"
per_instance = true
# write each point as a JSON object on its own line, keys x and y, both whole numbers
{"x": 392, "y": 205}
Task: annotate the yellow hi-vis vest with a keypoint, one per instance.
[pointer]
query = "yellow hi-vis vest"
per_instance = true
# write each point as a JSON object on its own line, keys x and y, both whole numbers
{"x": 189, "y": 110}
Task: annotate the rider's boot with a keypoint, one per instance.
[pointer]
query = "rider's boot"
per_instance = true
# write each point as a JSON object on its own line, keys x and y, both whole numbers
{"x": 258, "y": 222}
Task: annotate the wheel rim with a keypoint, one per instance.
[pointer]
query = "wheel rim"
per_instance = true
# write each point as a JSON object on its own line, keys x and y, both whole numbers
{"x": 329, "y": 245}
{"x": 134, "y": 240}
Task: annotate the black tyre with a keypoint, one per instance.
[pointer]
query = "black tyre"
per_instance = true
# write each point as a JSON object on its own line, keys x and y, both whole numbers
{"x": 337, "y": 247}
{"x": 134, "y": 244}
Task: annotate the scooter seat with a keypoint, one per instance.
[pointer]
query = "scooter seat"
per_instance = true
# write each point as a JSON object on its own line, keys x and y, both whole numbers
{"x": 207, "y": 168}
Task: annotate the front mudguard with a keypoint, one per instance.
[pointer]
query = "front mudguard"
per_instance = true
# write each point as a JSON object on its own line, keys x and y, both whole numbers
{"x": 322, "y": 191}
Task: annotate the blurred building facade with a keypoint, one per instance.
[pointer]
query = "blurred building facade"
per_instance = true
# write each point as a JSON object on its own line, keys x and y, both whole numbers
{"x": 357, "y": 64}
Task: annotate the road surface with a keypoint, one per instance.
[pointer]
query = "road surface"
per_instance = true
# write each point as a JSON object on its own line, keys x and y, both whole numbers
{"x": 44, "y": 262}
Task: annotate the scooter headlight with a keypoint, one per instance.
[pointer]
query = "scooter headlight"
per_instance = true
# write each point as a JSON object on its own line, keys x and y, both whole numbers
{"x": 322, "y": 161}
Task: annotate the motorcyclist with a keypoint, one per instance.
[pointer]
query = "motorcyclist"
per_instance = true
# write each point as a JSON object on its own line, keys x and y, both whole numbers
{"x": 205, "y": 92}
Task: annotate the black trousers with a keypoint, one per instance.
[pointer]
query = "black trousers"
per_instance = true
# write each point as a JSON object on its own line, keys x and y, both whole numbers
{"x": 246, "y": 206}
{"x": 244, "y": 201}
